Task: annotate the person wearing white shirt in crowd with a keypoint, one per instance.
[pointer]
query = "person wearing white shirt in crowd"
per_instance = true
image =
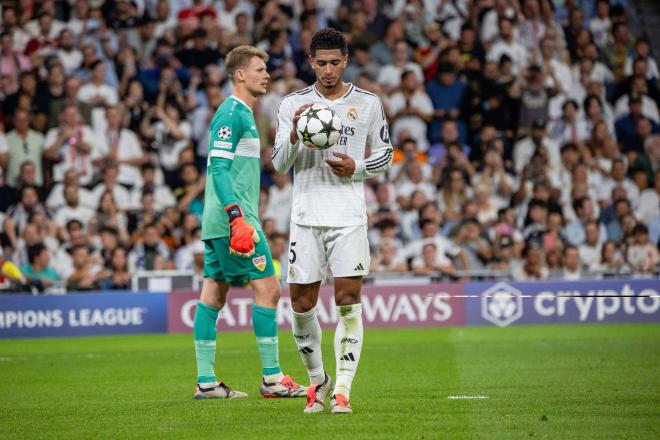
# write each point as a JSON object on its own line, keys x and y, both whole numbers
{"x": 98, "y": 94}
{"x": 531, "y": 29}
{"x": 411, "y": 109}
{"x": 279, "y": 201}
{"x": 616, "y": 178}
{"x": 550, "y": 61}
{"x": 124, "y": 149}
{"x": 568, "y": 128}
{"x": 524, "y": 149}
{"x": 71, "y": 178}
{"x": 508, "y": 45}
{"x": 171, "y": 135}
{"x": 73, "y": 209}
{"x": 649, "y": 106}
{"x": 387, "y": 258}
{"x": 572, "y": 264}
{"x": 649, "y": 201}
{"x": 45, "y": 21}
{"x": 489, "y": 24}
{"x": 643, "y": 51}
{"x": 414, "y": 182}
{"x": 446, "y": 249}
{"x": 68, "y": 53}
{"x": 390, "y": 75}
{"x": 202, "y": 115}
{"x": 78, "y": 145}
{"x": 110, "y": 183}
{"x": 163, "y": 197}
{"x": 601, "y": 25}
{"x": 229, "y": 9}
{"x": 590, "y": 250}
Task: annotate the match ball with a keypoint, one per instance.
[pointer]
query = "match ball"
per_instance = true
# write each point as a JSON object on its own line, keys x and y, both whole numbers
{"x": 319, "y": 127}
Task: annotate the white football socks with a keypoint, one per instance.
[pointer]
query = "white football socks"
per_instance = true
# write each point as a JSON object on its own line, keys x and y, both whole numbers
{"x": 348, "y": 346}
{"x": 307, "y": 333}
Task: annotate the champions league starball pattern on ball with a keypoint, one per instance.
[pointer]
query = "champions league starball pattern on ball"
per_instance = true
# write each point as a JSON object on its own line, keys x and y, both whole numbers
{"x": 319, "y": 127}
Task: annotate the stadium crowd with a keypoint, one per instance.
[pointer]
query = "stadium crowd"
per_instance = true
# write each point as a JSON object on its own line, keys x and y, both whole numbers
{"x": 526, "y": 132}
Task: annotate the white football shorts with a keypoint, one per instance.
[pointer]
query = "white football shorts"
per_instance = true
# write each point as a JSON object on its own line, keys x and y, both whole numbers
{"x": 312, "y": 249}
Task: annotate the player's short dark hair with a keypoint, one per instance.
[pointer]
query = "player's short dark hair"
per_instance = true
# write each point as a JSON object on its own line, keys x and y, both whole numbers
{"x": 328, "y": 39}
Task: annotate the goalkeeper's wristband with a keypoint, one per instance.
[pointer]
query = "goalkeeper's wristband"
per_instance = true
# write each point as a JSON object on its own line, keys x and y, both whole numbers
{"x": 234, "y": 212}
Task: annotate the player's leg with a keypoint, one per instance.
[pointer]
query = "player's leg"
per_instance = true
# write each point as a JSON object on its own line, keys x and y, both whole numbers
{"x": 259, "y": 269}
{"x": 274, "y": 383}
{"x": 211, "y": 301}
{"x": 349, "y": 258}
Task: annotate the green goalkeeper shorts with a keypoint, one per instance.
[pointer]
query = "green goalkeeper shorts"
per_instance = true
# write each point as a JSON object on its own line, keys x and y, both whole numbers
{"x": 220, "y": 265}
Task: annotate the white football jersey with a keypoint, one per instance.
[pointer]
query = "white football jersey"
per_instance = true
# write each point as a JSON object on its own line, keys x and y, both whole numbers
{"x": 319, "y": 197}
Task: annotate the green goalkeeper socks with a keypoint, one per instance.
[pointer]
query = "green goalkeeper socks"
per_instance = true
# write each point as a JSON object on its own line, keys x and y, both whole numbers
{"x": 265, "y": 329}
{"x": 205, "y": 333}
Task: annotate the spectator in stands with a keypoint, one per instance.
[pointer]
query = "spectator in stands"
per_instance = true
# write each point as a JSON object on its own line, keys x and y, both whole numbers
{"x": 454, "y": 194}
{"x": 446, "y": 252}
{"x": 279, "y": 201}
{"x": 503, "y": 254}
{"x": 611, "y": 259}
{"x": 427, "y": 262}
{"x": 537, "y": 140}
{"x": 72, "y": 209}
{"x": 476, "y": 249}
{"x": 533, "y": 266}
{"x": 170, "y": 137}
{"x": 190, "y": 196}
{"x": 84, "y": 276}
{"x": 124, "y": 150}
{"x": 572, "y": 264}
{"x": 110, "y": 184}
{"x": 151, "y": 253}
{"x": 39, "y": 270}
{"x": 507, "y": 45}
{"x": 108, "y": 214}
{"x": 412, "y": 109}
{"x": 387, "y": 258}
{"x": 446, "y": 92}
{"x": 76, "y": 145}
{"x": 590, "y": 251}
{"x": 25, "y": 144}
{"x": 642, "y": 255}
{"x": 12, "y": 63}
{"x": 162, "y": 193}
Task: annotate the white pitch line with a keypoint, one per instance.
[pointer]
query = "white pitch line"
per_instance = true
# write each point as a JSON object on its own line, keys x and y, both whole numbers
{"x": 467, "y": 397}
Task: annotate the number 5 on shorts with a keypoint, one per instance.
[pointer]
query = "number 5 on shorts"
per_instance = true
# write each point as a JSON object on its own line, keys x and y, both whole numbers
{"x": 292, "y": 253}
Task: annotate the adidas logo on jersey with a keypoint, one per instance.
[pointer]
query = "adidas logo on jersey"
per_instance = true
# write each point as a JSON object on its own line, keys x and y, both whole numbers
{"x": 348, "y": 357}
{"x": 305, "y": 350}
{"x": 359, "y": 267}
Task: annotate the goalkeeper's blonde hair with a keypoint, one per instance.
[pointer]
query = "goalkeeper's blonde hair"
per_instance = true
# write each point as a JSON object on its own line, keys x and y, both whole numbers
{"x": 239, "y": 58}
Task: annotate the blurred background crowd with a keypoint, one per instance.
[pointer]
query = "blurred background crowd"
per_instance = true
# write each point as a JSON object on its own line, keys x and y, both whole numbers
{"x": 526, "y": 132}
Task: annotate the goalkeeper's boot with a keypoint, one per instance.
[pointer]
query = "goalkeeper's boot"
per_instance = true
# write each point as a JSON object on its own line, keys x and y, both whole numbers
{"x": 286, "y": 387}
{"x": 340, "y": 405}
{"x": 219, "y": 391}
{"x": 316, "y": 395}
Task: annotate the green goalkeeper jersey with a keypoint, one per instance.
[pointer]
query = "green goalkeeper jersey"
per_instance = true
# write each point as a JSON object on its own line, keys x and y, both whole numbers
{"x": 233, "y": 174}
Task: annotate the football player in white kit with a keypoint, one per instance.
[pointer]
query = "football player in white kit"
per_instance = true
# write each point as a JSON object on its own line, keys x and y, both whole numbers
{"x": 328, "y": 216}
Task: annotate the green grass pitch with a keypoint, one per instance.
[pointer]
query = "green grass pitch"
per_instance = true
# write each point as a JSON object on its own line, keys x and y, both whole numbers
{"x": 559, "y": 382}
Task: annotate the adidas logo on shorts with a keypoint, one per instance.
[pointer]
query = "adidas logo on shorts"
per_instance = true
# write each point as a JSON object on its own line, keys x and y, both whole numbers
{"x": 359, "y": 267}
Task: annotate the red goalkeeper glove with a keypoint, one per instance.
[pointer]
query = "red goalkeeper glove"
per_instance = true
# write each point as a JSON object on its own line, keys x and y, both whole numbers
{"x": 243, "y": 236}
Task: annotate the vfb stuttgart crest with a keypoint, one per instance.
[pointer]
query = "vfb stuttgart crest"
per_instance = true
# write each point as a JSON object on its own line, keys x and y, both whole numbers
{"x": 259, "y": 262}
{"x": 501, "y": 304}
{"x": 224, "y": 133}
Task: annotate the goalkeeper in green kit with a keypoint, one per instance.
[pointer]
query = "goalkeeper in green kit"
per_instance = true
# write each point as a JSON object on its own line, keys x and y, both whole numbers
{"x": 236, "y": 248}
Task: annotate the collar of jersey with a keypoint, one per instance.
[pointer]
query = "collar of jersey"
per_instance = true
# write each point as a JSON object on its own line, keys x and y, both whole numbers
{"x": 241, "y": 101}
{"x": 348, "y": 92}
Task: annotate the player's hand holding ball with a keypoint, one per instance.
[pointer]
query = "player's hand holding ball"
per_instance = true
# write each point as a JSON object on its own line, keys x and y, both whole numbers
{"x": 243, "y": 236}
{"x": 317, "y": 126}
